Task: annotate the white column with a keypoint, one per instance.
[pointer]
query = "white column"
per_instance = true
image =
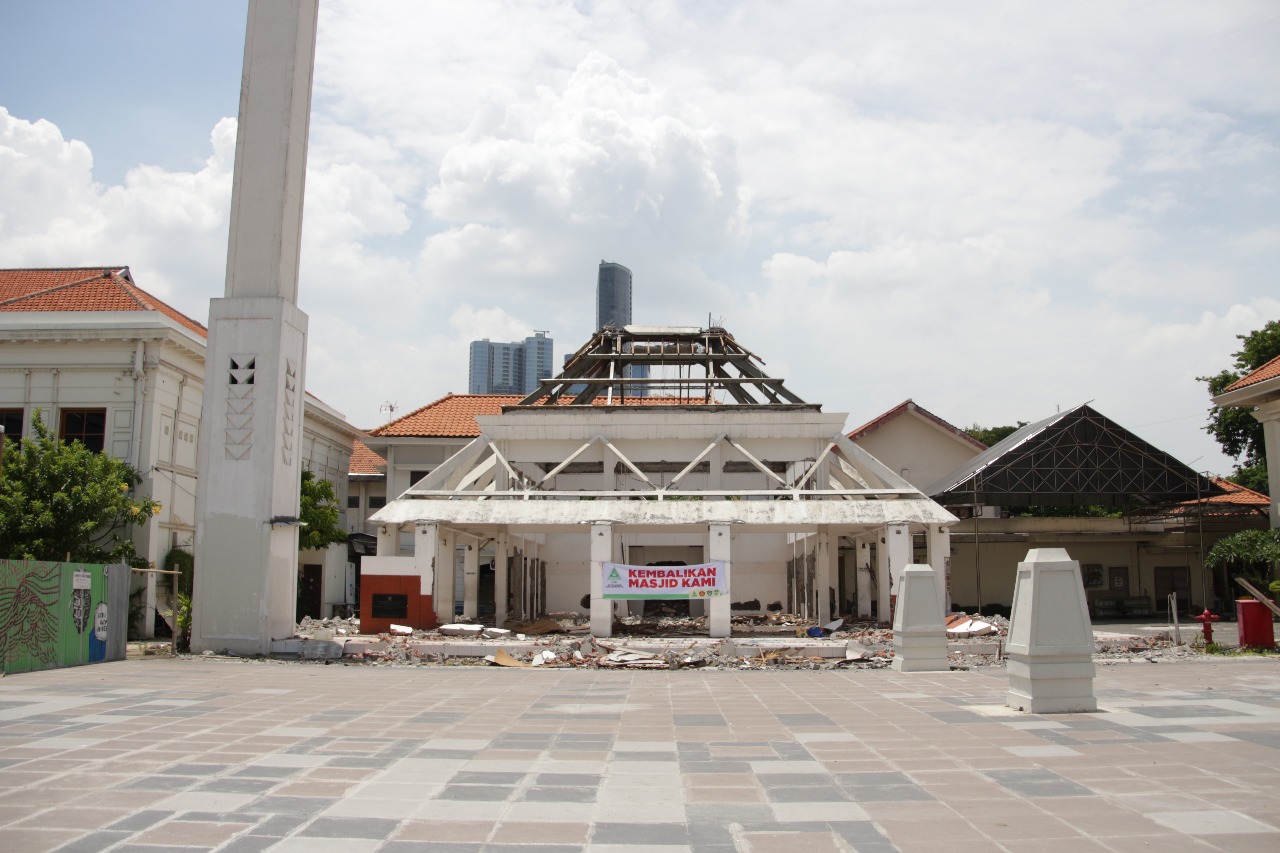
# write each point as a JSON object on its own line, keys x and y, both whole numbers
{"x": 824, "y": 571}
{"x": 388, "y": 540}
{"x": 601, "y": 553}
{"x": 940, "y": 561}
{"x": 445, "y": 577}
{"x": 883, "y": 581}
{"x": 501, "y": 554}
{"x": 1269, "y": 414}
{"x": 862, "y": 562}
{"x": 898, "y": 556}
{"x": 719, "y": 549}
{"x": 471, "y": 580}
{"x": 426, "y": 550}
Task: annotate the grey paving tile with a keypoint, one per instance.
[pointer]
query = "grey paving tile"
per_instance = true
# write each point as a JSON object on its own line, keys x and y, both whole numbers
{"x": 159, "y": 783}
{"x": 267, "y": 771}
{"x": 1035, "y": 782}
{"x": 1184, "y": 710}
{"x": 477, "y": 793}
{"x": 1269, "y": 739}
{"x": 793, "y": 780}
{"x": 559, "y": 795}
{"x": 140, "y": 820}
{"x": 459, "y": 754}
{"x": 646, "y": 756}
{"x": 577, "y": 780}
{"x": 831, "y": 794}
{"x": 193, "y": 770}
{"x": 889, "y": 794}
{"x": 349, "y": 827}
{"x": 433, "y": 847}
{"x": 94, "y": 842}
{"x": 532, "y": 848}
{"x": 872, "y": 778}
{"x": 233, "y": 785}
{"x": 364, "y": 762}
{"x": 485, "y": 778}
{"x": 273, "y": 805}
{"x": 248, "y": 844}
{"x": 700, "y": 720}
{"x": 714, "y": 766}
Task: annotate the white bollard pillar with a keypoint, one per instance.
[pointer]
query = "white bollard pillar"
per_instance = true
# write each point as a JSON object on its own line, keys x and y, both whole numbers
{"x": 1050, "y": 645}
{"x": 897, "y": 556}
{"x": 919, "y": 635}
{"x": 426, "y": 549}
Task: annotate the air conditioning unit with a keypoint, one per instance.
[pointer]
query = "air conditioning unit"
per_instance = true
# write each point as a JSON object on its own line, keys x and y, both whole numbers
{"x": 981, "y": 511}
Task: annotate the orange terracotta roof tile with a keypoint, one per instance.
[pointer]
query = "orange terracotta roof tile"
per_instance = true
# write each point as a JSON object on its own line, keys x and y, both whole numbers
{"x": 1270, "y": 370}
{"x": 1237, "y": 494}
{"x": 454, "y": 415}
{"x": 83, "y": 289}
{"x": 910, "y": 405}
{"x": 365, "y": 461}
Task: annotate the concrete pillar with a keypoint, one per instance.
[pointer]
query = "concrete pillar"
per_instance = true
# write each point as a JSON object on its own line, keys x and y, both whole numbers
{"x": 601, "y": 553}
{"x": 897, "y": 550}
{"x": 388, "y": 540}
{"x": 940, "y": 560}
{"x": 501, "y": 554}
{"x": 246, "y": 543}
{"x": 862, "y": 561}
{"x": 1050, "y": 645}
{"x": 471, "y": 580}
{"x": 825, "y": 572}
{"x": 426, "y": 551}
{"x": 1269, "y": 415}
{"x": 719, "y": 549}
{"x": 445, "y": 577}
{"x": 919, "y": 636}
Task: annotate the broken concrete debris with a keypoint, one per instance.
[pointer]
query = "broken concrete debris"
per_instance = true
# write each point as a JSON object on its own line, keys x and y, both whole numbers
{"x": 760, "y": 641}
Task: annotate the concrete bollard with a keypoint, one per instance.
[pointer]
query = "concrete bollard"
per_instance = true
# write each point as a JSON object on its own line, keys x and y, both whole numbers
{"x": 919, "y": 634}
{"x": 1050, "y": 647}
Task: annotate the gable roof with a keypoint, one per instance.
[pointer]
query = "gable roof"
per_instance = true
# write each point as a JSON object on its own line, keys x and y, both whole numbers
{"x": 454, "y": 415}
{"x": 1270, "y": 370}
{"x": 364, "y": 462}
{"x": 909, "y": 405}
{"x": 1074, "y": 458}
{"x": 83, "y": 289}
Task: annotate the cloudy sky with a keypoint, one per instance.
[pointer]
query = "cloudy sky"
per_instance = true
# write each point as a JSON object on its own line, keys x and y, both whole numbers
{"x": 996, "y": 209}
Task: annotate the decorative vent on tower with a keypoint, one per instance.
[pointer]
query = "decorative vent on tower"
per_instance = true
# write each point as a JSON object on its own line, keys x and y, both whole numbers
{"x": 290, "y": 407}
{"x": 239, "y": 432}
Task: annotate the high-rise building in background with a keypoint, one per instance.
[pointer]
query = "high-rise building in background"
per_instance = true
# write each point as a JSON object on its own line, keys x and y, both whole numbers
{"x": 613, "y": 296}
{"x": 510, "y": 368}
{"x": 613, "y": 308}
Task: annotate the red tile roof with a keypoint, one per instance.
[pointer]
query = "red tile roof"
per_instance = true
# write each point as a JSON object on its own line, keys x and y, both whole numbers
{"x": 83, "y": 289}
{"x": 1237, "y": 495}
{"x": 1270, "y": 370}
{"x": 910, "y": 405}
{"x": 365, "y": 461}
{"x": 454, "y": 415}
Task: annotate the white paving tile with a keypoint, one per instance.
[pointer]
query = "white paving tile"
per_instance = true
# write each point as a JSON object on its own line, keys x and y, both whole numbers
{"x": 299, "y": 844}
{"x": 295, "y": 731}
{"x": 203, "y": 801}
{"x": 817, "y": 811}
{"x": 821, "y": 737}
{"x": 1212, "y": 822}
{"x": 1198, "y": 737}
{"x": 61, "y": 743}
{"x": 1046, "y": 751}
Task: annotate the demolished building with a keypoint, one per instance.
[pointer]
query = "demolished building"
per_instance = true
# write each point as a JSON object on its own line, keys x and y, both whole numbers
{"x": 706, "y": 460}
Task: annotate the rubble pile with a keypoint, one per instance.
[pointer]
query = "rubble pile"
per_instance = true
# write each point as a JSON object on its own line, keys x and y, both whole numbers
{"x": 310, "y": 628}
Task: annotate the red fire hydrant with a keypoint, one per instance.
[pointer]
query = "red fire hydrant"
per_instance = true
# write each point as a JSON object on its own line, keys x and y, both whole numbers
{"x": 1207, "y": 619}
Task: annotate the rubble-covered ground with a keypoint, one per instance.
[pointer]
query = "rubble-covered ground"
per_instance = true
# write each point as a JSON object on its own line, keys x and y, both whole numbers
{"x": 760, "y": 641}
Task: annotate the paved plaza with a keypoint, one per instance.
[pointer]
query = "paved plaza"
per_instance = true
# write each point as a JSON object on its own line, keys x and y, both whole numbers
{"x": 230, "y": 755}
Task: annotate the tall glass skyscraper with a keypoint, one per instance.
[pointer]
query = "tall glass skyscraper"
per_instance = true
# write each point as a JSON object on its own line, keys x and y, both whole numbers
{"x": 613, "y": 295}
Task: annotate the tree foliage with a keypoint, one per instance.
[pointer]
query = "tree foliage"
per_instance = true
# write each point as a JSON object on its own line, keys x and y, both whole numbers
{"x": 1236, "y": 430}
{"x": 320, "y": 513}
{"x": 991, "y": 436}
{"x": 60, "y": 500}
{"x": 1254, "y": 553}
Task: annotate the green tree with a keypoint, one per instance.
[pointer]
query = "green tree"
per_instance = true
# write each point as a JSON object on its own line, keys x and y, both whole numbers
{"x": 319, "y": 512}
{"x": 1237, "y": 432}
{"x": 991, "y": 436}
{"x": 60, "y": 500}
{"x": 1254, "y": 554}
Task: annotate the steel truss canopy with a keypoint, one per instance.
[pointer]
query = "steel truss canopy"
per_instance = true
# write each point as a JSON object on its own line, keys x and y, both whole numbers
{"x": 628, "y": 364}
{"x": 1074, "y": 458}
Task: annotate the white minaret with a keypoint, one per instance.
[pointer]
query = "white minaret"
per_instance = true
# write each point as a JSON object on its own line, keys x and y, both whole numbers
{"x": 246, "y": 550}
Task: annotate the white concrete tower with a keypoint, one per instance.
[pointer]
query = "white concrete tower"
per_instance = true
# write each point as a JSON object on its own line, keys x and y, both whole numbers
{"x": 251, "y": 427}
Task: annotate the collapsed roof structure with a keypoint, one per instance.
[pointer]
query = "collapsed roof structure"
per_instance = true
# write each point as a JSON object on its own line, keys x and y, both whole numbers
{"x": 699, "y": 458}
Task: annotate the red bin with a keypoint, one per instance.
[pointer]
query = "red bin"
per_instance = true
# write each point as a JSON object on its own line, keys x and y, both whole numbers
{"x": 1254, "y": 620}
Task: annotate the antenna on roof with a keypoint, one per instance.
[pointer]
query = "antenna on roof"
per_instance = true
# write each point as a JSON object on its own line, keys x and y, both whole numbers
{"x": 389, "y": 407}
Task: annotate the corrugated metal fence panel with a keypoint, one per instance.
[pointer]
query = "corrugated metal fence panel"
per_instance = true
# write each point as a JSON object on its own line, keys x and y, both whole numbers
{"x": 118, "y": 580}
{"x": 53, "y": 614}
